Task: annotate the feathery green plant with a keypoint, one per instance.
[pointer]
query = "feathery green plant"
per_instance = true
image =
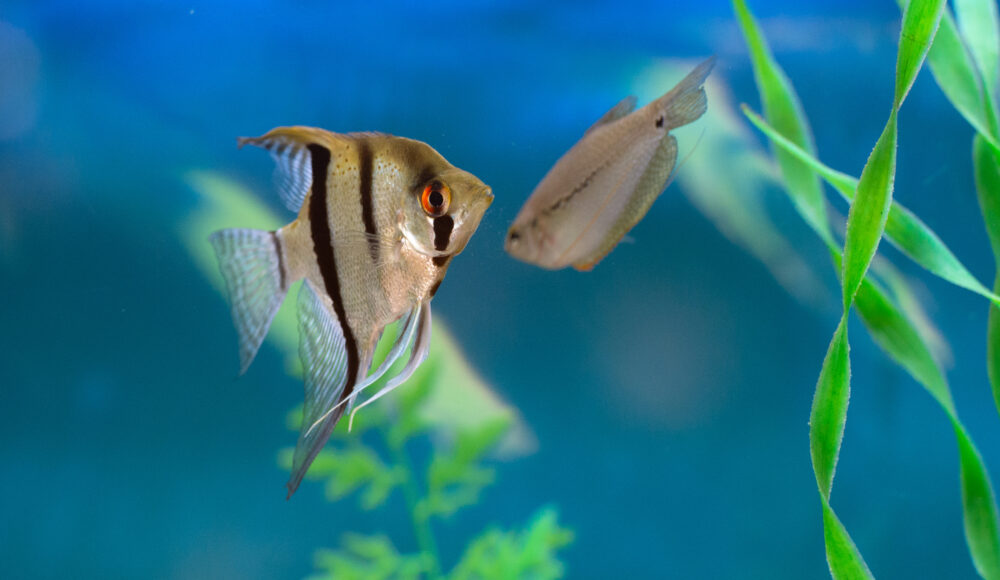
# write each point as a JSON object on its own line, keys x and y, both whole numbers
{"x": 873, "y": 213}
{"x": 374, "y": 459}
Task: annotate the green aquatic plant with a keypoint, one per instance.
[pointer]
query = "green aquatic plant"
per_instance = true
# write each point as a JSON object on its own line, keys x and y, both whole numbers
{"x": 374, "y": 459}
{"x": 895, "y": 327}
{"x": 445, "y": 406}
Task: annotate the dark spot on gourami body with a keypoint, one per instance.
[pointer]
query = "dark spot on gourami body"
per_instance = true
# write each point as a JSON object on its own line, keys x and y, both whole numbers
{"x": 659, "y": 122}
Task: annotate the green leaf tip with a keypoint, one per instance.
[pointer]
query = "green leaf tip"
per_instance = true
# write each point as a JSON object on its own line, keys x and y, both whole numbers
{"x": 920, "y": 22}
{"x": 842, "y": 554}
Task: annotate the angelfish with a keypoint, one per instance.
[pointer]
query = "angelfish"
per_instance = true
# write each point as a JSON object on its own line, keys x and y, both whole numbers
{"x": 379, "y": 220}
{"x": 599, "y": 189}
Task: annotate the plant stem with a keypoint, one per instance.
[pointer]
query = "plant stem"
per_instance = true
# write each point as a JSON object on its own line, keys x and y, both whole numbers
{"x": 421, "y": 526}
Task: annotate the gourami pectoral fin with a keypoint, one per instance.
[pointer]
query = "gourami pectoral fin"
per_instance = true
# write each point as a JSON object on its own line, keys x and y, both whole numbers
{"x": 624, "y": 107}
{"x": 251, "y": 265}
{"x": 651, "y": 185}
{"x": 420, "y": 349}
{"x": 289, "y": 147}
{"x": 323, "y": 351}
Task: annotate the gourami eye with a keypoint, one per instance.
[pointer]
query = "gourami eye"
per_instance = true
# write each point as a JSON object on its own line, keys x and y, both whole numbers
{"x": 436, "y": 199}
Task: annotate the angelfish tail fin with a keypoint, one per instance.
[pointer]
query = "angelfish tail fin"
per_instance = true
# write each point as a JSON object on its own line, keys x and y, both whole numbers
{"x": 253, "y": 267}
{"x": 686, "y": 102}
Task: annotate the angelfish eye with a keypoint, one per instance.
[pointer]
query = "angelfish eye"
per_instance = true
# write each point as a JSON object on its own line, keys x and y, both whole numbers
{"x": 436, "y": 199}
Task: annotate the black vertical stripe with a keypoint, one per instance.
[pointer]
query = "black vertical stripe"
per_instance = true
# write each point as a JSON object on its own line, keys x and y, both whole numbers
{"x": 435, "y": 287}
{"x": 319, "y": 219}
{"x": 281, "y": 259}
{"x": 365, "y": 168}
{"x": 442, "y": 232}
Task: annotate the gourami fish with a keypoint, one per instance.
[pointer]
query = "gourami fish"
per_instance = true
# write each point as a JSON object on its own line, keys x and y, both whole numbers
{"x": 607, "y": 181}
{"x": 379, "y": 220}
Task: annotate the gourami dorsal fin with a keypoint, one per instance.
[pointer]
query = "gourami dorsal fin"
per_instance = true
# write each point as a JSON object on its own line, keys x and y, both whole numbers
{"x": 651, "y": 185}
{"x": 289, "y": 147}
{"x": 624, "y": 107}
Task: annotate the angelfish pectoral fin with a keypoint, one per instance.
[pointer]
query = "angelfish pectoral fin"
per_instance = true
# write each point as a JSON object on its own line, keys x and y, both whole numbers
{"x": 252, "y": 267}
{"x": 323, "y": 351}
{"x": 421, "y": 347}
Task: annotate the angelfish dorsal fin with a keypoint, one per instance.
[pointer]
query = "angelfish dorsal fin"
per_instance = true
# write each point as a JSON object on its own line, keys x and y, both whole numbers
{"x": 289, "y": 147}
{"x": 624, "y": 107}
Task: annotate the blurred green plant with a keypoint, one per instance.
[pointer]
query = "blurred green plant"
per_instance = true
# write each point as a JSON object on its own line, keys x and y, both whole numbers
{"x": 896, "y": 326}
{"x": 444, "y": 404}
{"x": 374, "y": 459}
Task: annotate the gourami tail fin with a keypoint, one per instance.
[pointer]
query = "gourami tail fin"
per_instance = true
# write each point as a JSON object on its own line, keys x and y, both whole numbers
{"x": 686, "y": 102}
{"x": 252, "y": 266}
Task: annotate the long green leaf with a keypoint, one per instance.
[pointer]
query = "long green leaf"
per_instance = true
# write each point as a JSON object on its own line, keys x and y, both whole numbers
{"x": 987, "y": 167}
{"x": 870, "y": 209}
{"x": 981, "y": 27}
{"x": 903, "y": 229}
{"x": 899, "y": 338}
{"x": 904, "y": 344}
{"x": 782, "y": 107}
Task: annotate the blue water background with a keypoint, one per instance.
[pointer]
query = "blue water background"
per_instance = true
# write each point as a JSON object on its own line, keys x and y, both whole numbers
{"x": 669, "y": 389}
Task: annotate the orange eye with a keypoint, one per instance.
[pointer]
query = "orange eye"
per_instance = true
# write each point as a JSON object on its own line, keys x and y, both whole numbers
{"x": 436, "y": 199}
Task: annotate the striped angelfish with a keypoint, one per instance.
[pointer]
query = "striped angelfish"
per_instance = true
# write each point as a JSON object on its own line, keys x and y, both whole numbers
{"x": 605, "y": 183}
{"x": 379, "y": 219}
